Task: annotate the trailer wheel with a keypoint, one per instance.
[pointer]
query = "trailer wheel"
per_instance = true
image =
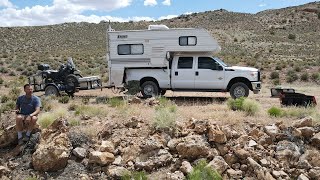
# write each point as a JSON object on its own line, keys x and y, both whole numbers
{"x": 239, "y": 89}
{"x": 51, "y": 91}
{"x": 149, "y": 89}
{"x": 72, "y": 80}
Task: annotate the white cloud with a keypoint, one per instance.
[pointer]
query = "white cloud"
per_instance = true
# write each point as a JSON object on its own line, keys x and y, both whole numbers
{"x": 262, "y": 5}
{"x": 104, "y": 5}
{"x": 150, "y": 2}
{"x": 166, "y": 2}
{"x": 5, "y": 3}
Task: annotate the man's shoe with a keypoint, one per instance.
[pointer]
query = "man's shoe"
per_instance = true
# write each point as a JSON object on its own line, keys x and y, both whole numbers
{"x": 20, "y": 141}
{"x": 26, "y": 138}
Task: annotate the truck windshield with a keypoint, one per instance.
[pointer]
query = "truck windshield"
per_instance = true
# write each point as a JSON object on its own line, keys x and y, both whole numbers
{"x": 220, "y": 62}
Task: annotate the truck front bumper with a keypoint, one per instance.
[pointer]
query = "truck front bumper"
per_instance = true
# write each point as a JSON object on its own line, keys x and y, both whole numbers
{"x": 256, "y": 87}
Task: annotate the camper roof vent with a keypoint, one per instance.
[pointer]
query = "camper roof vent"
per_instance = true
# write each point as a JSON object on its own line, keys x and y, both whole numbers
{"x": 158, "y": 27}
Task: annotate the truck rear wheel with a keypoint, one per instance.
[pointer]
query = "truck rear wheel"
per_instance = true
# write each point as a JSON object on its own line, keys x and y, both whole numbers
{"x": 51, "y": 91}
{"x": 149, "y": 89}
{"x": 239, "y": 89}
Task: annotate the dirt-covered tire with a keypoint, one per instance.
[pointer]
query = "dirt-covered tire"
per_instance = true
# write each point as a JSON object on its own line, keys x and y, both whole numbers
{"x": 71, "y": 82}
{"x": 238, "y": 90}
{"x": 51, "y": 90}
{"x": 149, "y": 89}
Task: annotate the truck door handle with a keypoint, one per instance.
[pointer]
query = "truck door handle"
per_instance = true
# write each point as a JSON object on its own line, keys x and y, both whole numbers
{"x": 197, "y": 73}
{"x": 176, "y": 73}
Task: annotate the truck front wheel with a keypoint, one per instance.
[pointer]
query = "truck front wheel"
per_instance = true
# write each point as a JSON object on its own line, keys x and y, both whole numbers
{"x": 149, "y": 89}
{"x": 239, "y": 89}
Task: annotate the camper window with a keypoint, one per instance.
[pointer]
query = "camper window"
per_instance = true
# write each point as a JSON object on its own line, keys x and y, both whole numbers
{"x": 130, "y": 49}
{"x": 187, "y": 41}
{"x": 185, "y": 62}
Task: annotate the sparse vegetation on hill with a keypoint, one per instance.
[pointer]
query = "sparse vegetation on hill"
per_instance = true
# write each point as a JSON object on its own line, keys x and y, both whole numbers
{"x": 260, "y": 40}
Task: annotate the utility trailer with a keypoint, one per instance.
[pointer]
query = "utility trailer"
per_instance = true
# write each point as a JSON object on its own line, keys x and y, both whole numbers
{"x": 297, "y": 99}
{"x": 67, "y": 79}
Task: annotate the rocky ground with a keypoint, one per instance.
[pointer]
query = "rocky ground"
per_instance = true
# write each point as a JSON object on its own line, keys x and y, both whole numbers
{"x": 250, "y": 151}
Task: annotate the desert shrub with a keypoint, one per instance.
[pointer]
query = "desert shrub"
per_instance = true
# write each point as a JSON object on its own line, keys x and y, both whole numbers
{"x": 12, "y": 73}
{"x": 251, "y": 107}
{"x": 8, "y": 106}
{"x": 1, "y": 81}
{"x": 274, "y": 75}
{"x": 64, "y": 99}
{"x": 276, "y": 82}
{"x": 74, "y": 122}
{"x": 318, "y": 15}
{"x": 90, "y": 111}
{"x": 203, "y": 172}
{"x": 14, "y": 93}
{"x": 275, "y": 111}
{"x": 4, "y": 70}
{"x": 72, "y": 107}
{"x": 115, "y": 102}
{"x": 297, "y": 68}
{"x": 102, "y": 100}
{"x": 46, "y": 104}
{"x": 236, "y": 104}
{"x": 85, "y": 100}
{"x": 291, "y": 76}
{"x": 278, "y": 67}
{"x": 164, "y": 119}
{"x": 166, "y": 103}
{"x": 4, "y": 98}
{"x": 46, "y": 119}
{"x": 292, "y": 36}
{"x": 315, "y": 76}
{"x": 299, "y": 112}
{"x": 139, "y": 175}
{"x": 304, "y": 76}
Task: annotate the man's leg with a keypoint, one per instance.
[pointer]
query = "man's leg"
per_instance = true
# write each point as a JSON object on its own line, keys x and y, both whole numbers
{"x": 31, "y": 125}
{"x": 19, "y": 127}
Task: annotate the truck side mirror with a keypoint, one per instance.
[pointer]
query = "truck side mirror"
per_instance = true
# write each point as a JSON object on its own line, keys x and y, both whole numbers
{"x": 220, "y": 68}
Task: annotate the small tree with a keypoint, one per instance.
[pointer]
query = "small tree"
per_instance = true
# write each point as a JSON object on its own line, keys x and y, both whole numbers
{"x": 292, "y": 36}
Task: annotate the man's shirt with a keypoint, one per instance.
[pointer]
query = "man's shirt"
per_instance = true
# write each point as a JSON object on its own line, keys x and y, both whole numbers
{"x": 27, "y": 105}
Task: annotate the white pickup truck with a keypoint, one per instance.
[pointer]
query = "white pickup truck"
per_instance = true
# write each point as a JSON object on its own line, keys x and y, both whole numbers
{"x": 161, "y": 59}
{"x": 196, "y": 73}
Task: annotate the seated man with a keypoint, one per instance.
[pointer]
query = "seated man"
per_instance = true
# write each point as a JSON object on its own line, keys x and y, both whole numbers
{"x": 27, "y": 108}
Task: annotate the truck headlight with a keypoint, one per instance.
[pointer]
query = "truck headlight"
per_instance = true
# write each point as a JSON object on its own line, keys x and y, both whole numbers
{"x": 254, "y": 74}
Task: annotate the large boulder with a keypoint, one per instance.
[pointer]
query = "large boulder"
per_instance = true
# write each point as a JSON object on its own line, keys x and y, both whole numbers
{"x": 193, "y": 147}
{"x": 116, "y": 172}
{"x": 54, "y": 149}
{"x": 8, "y": 136}
{"x": 305, "y": 122}
{"x": 287, "y": 151}
{"x": 215, "y": 134}
{"x": 106, "y": 146}
{"x": 152, "y": 143}
{"x": 315, "y": 140}
{"x": 153, "y": 160}
{"x": 271, "y": 130}
{"x": 259, "y": 171}
{"x": 219, "y": 164}
{"x": 101, "y": 158}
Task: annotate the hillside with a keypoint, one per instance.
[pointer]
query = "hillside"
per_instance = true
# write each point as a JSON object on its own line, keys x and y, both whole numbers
{"x": 280, "y": 39}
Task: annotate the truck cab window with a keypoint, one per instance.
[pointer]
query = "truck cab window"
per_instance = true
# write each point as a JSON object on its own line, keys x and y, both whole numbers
{"x": 185, "y": 62}
{"x": 208, "y": 63}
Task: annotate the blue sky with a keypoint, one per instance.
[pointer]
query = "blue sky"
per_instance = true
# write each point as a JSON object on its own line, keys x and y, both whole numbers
{"x": 46, "y": 12}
